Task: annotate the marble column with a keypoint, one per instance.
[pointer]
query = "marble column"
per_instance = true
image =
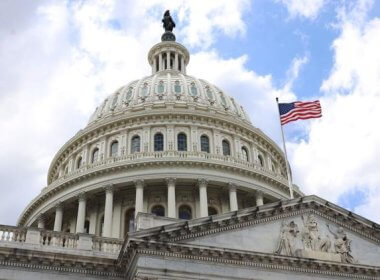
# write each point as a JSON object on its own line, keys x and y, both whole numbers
{"x": 176, "y": 61}
{"x": 154, "y": 67}
{"x": 259, "y": 198}
{"x": 167, "y": 60}
{"x": 108, "y": 210}
{"x": 183, "y": 65}
{"x": 171, "y": 197}
{"x": 41, "y": 221}
{"x": 160, "y": 66}
{"x": 139, "y": 203}
{"x": 58, "y": 217}
{"x": 81, "y": 216}
{"x": 202, "y": 183}
{"x": 233, "y": 197}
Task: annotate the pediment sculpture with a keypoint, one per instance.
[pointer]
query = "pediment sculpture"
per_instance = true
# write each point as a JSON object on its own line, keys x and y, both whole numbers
{"x": 314, "y": 244}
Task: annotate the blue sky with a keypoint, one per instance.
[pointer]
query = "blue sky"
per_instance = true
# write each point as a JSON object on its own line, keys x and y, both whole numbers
{"x": 60, "y": 59}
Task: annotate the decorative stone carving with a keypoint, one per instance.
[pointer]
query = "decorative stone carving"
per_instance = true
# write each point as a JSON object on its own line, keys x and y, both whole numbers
{"x": 311, "y": 238}
{"x": 286, "y": 244}
{"x": 342, "y": 245}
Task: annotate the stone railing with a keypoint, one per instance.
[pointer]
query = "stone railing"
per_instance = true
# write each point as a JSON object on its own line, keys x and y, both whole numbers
{"x": 12, "y": 234}
{"x": 52, "y": 239}
{"x": 163, "y": 156}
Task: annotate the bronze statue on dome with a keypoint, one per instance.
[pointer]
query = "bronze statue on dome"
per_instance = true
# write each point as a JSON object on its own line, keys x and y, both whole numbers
{"x": 168, "y": 24}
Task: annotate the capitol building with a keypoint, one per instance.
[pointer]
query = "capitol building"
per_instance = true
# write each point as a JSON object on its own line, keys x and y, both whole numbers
{"x": 170, "y": 179}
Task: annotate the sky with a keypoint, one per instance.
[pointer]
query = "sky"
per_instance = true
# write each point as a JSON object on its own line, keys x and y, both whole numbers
{"x": 60, "y": 59}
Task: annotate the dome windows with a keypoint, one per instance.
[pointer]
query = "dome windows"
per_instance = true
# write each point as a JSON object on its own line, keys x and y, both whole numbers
{"x": 160, "y": 87}
{"x": 244, "y": 152}
{"x": 212, "y": 211}
{"x": 182, "y": 142}
{"x": 185, "y": 213}
{"x": 95, "y": 155}
{"x": 158, "y": 210}
{"x": 128, "y": 96}
{"x": 205, "y": 144}
{"x": 193, "y": 89}
{"x": 261, "y": 160}
{"x": 158, "y": 142}
{"x": 144, "y": 90}
{"x": 114, "y": 148}
{"x": 209, "y": 93}
{"x": 177, "y": 88}
{"x": 226, "y": 148}
{"x": 79, "y": 163}
{"x": 135, "y": 144}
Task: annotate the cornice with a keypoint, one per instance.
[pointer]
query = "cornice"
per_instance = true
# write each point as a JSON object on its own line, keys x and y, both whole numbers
{"x": 264, "y": 214}
{"x": 23, "y": 259}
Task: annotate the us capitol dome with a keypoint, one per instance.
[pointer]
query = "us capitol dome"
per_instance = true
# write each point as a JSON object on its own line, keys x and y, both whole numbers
{"x": 169, "y": 144}
{"x": 171, "y": 180}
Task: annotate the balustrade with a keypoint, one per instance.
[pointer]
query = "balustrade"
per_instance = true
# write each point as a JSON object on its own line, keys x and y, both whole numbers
{"x": 65, "y": 240}
{"x": 12, "y": 234}
{"x": 168, "y": 155}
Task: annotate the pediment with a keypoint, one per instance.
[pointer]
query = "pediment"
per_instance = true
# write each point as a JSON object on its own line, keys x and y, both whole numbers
{"x": 305, "y": 235}
{"x": 307, "y": 228}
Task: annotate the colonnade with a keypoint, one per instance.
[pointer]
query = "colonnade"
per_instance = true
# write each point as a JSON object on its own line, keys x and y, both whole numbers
{"x": 179, "y": 62}
{"x": 139, "y": 204}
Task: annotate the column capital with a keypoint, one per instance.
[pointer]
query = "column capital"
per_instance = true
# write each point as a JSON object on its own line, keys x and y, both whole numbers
{"x": 259, "y": 193}
{"x": 202, "y": 182}
{"x": 82, "y": 196}
{"x": 59, "y": 205}
{"x": 139, "y": 183}
{"x": 232, "y": 186}
{"x": 109, "y": 188}
{"x": 170, "y": 181}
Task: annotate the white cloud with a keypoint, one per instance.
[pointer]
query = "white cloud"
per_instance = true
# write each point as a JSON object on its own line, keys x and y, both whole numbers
{"x": 342, "y": 153}
{"x": 303, "y": 8}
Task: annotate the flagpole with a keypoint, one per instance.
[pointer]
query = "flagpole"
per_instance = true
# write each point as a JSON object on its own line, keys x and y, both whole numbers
{"x": 286, "y": 155}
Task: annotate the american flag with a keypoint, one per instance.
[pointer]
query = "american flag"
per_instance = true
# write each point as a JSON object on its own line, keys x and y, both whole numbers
{"x": 299, "y": 111}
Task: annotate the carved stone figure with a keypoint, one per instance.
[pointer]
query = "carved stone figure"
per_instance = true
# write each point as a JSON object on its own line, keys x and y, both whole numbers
{"x": 286, "y": 245}
{"x": 310, "y": 236}
{"x": 168, "y": 22}
{"x": 342, "y": 245}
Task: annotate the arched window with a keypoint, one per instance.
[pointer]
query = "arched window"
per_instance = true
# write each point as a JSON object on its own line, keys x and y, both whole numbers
{"x": 226, "y": 148}
{"x": 95, "y": 154}
{"x": 182, "y": 142}
{"x": 212, "y": 211}
{"x": 205, "y": 144}
{"x": 158, "y": 210}
{"x": 261, "y": 160}
{"x": 135, "y": 144}
{"x": 79, "y": 162}
{"x": 87, "y": 226}
{"x": 184, "y": 212}
{"x": 114, "y": 148}
{"x": 244, "y": 153}
{"x": 129, "y": 222}
{"x": 158, "y": 142}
